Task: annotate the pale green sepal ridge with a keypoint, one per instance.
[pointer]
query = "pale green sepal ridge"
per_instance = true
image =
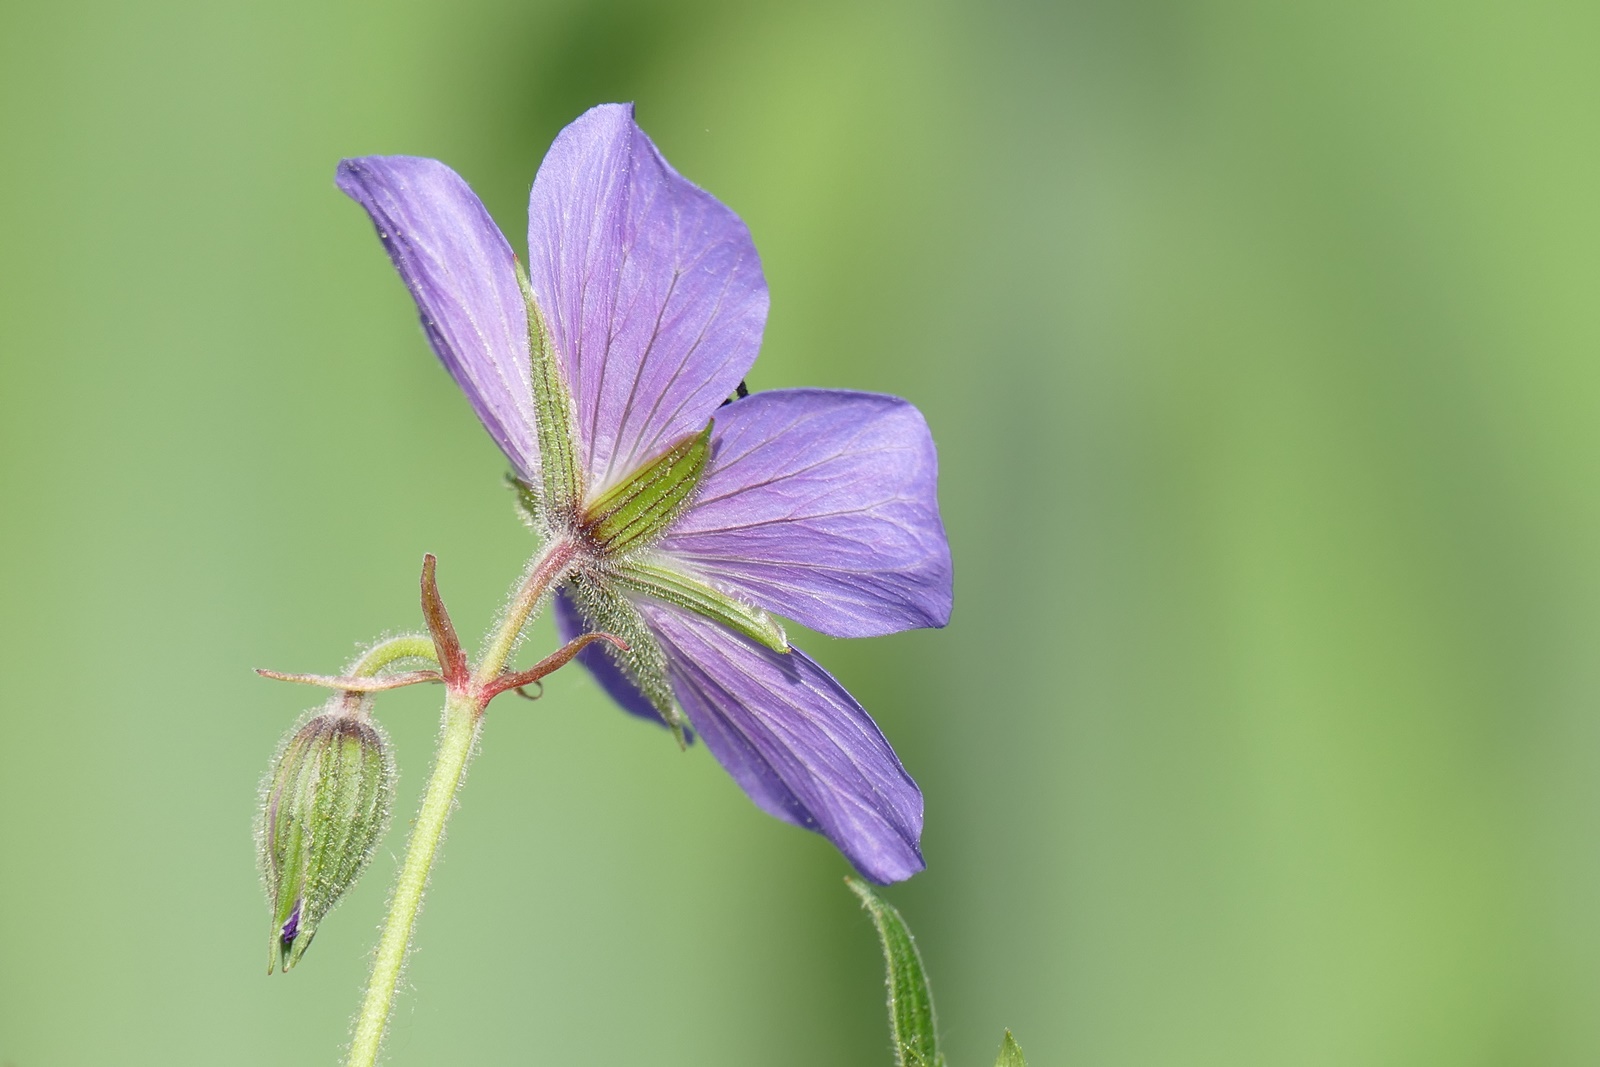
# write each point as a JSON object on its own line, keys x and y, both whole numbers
{"x": 655, "y": 578}
{"x": 645, "y": 664}
{"x": 911, "y": 1018}
{"x": 638, "y": 511}
{"x": 555, "y": 416}
{"x": 1010, "y": 1053}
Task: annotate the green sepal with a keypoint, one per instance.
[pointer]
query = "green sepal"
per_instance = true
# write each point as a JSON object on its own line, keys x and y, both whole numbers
{"x": 639, "y": 510}
{"x": 911, "y": 1018}
{"x": 1010, "y": 1053}
{"x": 326, "y": 807}
{"x": 609, "y": 611}
{"x": 674, "y": 587}
{"x": 528, "y": 503}
{"x": 554, "y": 415}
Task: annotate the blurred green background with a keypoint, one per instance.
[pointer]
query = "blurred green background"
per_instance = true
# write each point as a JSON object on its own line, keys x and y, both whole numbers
{"x": 1259, "y": 341}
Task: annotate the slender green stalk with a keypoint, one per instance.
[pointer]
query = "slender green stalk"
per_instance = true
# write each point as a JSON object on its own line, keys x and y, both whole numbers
{"x": 406, "y": 646}
{"x": 463, "y": 710}
{"x": 455, "y": 745}
{"x": 542, "y": 573}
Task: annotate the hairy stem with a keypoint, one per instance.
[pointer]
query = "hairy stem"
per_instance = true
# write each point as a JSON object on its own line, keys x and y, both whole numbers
{"x": 546, "y": 567}
{"x": 463, "y": 710}
{"x": 406, "y": 646}
{"x": 455, "y": 745}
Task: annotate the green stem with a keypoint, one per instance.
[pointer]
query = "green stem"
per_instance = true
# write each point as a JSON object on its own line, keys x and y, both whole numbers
{"x": 546, "y": 567}
{"x": 463, "y": 710}
{"x": 379, "y": 656}
{"x": 455, "y": 745}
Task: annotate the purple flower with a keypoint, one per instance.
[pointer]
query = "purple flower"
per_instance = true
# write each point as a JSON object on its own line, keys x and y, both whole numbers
{"x": 603, "y": 373}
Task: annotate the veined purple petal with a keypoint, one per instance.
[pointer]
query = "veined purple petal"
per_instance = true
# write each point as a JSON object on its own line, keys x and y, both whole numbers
{"x": 652, "y": 288}
{"x": 796, "y": 741}
{"x": 569, "y": 624}
{"x": 821, "y": 505}
{"x": 460, "y": 271}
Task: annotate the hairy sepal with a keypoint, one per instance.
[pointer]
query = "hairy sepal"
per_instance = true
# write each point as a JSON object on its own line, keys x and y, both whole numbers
{"x": 529, "y": 507}
{"x": 608, "y": 610}
{"x": 325, "y": 808}
{"x": 655, "y": 578}
{"x": 638, "y": 511}
{"x": 1010, "y": 1053}
{"x": 555, "y": 416}
{"x": 911, "y": 1018}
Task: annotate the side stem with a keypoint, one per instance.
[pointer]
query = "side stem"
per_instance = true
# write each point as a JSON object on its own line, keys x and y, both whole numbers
{"x": 546, "y": 567}
{"x": 463, "y": 710}
{"x": 406, "y": 646}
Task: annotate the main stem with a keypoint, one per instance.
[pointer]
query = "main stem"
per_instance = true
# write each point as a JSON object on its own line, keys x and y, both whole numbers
{"x": 455, "y": 745}
{"x": 462, "y": 713}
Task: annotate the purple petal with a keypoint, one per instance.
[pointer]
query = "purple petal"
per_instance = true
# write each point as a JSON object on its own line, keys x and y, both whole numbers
{"x": 569, "y": 624}
{"x": 820, "y": 505}
{"x": 460, "y": 271}
{"x": 796, "y": 741}
{"x": 652, "y": 288}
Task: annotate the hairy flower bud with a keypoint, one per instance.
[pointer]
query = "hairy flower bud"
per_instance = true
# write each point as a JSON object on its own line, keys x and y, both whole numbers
{"x": 326, "y": 806}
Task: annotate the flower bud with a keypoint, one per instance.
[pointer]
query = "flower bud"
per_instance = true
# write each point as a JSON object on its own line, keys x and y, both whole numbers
{"x": 325, "y": 809}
